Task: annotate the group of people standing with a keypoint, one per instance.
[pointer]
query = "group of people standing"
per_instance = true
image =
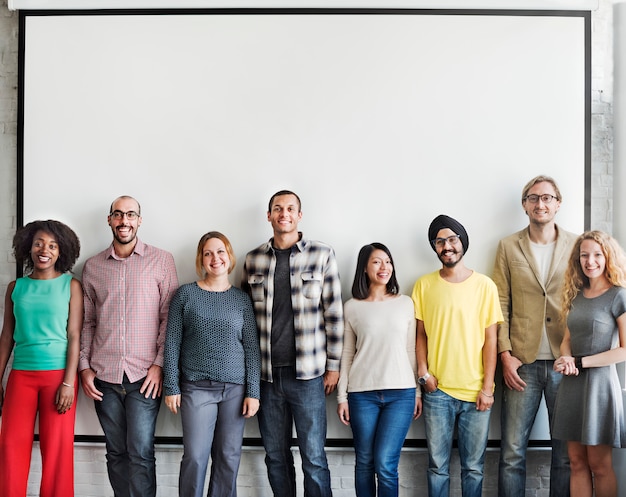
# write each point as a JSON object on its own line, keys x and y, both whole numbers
{"x": 553, "y": 313}
{"x": 560, "y": 295}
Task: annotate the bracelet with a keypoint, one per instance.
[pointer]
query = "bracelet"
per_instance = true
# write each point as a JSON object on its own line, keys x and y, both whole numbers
{"x": 67, "y": 385}
{"x": 486, "y": 394}
{"x": 578, "y": 362}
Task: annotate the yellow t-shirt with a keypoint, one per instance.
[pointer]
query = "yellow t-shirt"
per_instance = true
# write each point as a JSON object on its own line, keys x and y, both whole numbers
{"x": 455, "y": 317}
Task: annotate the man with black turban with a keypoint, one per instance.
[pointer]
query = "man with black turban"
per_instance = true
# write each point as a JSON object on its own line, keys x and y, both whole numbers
{"x": 457, "y": 313}
{"x": 442, "y": 222}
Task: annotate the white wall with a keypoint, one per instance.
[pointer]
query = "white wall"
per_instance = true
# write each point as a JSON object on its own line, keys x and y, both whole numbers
{"x": 391, "y": 4}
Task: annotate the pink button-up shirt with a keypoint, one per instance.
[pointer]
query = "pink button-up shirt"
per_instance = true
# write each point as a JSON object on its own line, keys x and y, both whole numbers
{"x": 126, "y": 305}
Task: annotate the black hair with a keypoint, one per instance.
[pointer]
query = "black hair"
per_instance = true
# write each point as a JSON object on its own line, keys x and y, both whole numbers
{"x": 69, "y": 244}
{"x": 361, "y": 283}
{"x": 280, "y": 194}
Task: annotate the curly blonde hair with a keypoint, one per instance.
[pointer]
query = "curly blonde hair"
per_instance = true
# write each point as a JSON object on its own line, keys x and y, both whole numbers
{"x": 575, "y": 280}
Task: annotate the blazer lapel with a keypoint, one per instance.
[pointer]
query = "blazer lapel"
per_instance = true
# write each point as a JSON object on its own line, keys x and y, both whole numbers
{"x": 561, "y": 249}
{"x": 524, "y": 244}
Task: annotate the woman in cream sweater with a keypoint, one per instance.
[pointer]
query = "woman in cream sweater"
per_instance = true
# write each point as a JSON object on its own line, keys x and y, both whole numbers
{"x": 377, "y": 395}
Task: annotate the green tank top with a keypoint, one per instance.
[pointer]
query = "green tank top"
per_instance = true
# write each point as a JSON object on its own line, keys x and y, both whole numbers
{"x": 41, "y": 310}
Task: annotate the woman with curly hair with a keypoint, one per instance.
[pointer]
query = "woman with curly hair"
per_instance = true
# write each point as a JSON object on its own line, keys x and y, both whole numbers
{"x": 43, "y": 316}
{"x": 589, "y": 411}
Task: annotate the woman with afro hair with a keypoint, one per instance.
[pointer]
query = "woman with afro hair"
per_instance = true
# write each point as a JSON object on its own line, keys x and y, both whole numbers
{"x": 43, "y": 316}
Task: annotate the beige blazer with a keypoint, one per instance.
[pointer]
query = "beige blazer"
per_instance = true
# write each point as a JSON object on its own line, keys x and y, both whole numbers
{"x": 526, "y": 302}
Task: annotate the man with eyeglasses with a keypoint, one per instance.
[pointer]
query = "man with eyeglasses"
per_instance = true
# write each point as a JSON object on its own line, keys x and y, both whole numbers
{"x": 458, "y": 312}
{"x": 529, "y": 272}
{"x": 127, "y": 291}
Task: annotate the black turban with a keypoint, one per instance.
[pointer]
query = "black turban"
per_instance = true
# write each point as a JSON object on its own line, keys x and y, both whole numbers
{"x": 442, "y": 222}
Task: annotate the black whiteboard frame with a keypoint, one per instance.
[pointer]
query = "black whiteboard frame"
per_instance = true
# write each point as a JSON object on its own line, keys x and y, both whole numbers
{"x": 24, "y": 15}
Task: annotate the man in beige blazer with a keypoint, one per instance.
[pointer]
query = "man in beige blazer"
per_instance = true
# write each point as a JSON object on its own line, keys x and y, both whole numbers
{"x": 528, "y": 272}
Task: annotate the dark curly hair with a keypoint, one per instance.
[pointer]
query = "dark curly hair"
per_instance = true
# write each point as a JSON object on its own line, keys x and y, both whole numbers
{"x": 69, "y": 245}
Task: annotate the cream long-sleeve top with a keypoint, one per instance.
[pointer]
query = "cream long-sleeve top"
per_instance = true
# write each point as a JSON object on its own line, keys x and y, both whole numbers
{"x": 378, "y": 346}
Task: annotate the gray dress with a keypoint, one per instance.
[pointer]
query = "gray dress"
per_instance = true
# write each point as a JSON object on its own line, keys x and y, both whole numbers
{"x": 589, "y": 406}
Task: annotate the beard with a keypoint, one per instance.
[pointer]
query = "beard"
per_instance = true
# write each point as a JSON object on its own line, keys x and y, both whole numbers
{"x": 124, "y": 241}
{"x": 450, "y": 263}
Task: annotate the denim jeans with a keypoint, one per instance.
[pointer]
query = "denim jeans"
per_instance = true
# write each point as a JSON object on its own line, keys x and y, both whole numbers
{"x": 441, "y": 412}
{"x": 283, "y": 402}
{"x": 128, "y": 420}
{"x": 518, "y": 413}
{"x": 379, "y": 420}
{"x": 212, "y": 426}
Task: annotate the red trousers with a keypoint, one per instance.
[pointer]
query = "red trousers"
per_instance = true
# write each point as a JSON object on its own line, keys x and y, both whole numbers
{"x": 29, "y": 393}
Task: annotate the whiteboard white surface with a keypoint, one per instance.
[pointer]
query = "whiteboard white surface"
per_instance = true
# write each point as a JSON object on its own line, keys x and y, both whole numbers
{"x": 379, "y": 122}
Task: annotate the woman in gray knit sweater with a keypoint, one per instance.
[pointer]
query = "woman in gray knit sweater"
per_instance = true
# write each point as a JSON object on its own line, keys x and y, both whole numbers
{"x": 211, "y": 369}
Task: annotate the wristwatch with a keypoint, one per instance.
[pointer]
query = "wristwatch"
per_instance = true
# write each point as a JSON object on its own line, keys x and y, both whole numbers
{"x": 423, "y": 379}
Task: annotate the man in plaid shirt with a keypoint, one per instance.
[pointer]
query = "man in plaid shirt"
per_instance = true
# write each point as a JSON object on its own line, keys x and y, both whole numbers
{"x": 127, "y": 291}
{"x": 295, "y": 288}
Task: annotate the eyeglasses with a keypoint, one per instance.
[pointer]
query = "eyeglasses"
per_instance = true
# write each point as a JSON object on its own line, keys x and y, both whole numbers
{"x": 118, "y": 215}
{"x": 441, "y": 242}
{"x": 546, "y": 198}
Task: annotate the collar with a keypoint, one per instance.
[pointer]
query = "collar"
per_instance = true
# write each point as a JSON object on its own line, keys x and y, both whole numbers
{"x": 139, "y": 249}
{"x": 300, "y": 244}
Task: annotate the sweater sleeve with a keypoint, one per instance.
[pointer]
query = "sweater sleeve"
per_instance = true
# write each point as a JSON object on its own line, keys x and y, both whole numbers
{"x": 347, "y": 356}
{"x": 173, "y": 342}
{"x": 251, "y": 350}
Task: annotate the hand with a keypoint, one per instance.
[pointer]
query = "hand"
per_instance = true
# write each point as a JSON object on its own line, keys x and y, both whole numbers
{"x": 64, "y": 398}
{"x": 87, "y": 377}
{"x": 153, "y": 384}
{"x": 484, "y": 401}
{"x": 510, "y": 365}
{"x": 417, "y": 412}
{"x": 250, "y": 407}
{"x": 566, "y": 365}
{"x": 343, "y": 411}
{"x": 172, "y": 402}
{"x": 331, "y": 378}
{"x": 431, "y": 385}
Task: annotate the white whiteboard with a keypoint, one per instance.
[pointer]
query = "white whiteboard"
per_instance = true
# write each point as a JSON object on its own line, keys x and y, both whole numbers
{"x": 379, "y": 120}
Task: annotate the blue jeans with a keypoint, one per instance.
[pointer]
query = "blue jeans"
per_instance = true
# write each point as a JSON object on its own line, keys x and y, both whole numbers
{"x": 212, "y": 426}
{"x": 283, "y": 402}
{"x": 380, "y": 421}
{"x": 128, "y": 420}
{"x": 518, "y": 413}
{"x": 441, "y": 412}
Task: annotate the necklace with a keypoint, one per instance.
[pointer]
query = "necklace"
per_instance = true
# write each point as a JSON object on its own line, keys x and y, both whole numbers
{"x": 218, "y": 288}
